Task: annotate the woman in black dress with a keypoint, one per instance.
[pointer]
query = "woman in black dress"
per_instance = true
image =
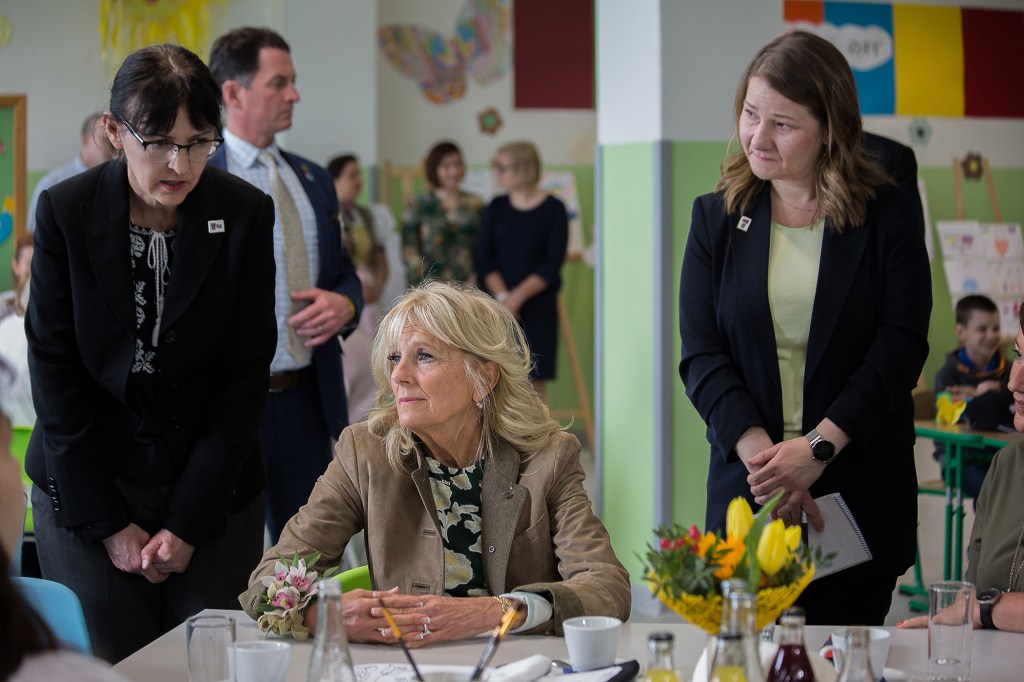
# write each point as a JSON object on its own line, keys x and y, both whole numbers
{"x": 520, "y": 253}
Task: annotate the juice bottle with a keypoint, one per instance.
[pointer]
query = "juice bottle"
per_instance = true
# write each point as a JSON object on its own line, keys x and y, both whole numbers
{"x": 729, "y": 663}
{"x": 660, "y": 666}
{"x": 791, "y": 663}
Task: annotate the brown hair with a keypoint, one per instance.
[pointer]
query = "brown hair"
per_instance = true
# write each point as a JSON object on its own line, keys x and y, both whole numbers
{"x": 810, "y": 71}
{"x": 434, "y": 158}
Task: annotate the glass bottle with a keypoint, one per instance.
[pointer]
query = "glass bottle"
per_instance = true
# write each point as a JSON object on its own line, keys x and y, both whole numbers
{"x": 660, "y": 661}
{"x": 857, "y": 658}
{"x": 331, "y": 660}
{"x": 729, "y": 657}
{"x": 728, "y": 587}
{"x": 744, "y": 622}
{"x": 791, "y": 663}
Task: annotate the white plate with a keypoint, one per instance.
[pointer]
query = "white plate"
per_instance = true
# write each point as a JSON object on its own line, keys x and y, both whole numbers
{"x": 824, "y": 671}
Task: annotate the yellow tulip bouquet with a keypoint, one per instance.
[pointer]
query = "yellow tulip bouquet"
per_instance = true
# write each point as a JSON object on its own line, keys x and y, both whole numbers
{"x": 687, "y": 567}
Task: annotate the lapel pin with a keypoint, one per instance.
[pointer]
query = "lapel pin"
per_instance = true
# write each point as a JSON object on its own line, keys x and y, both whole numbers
{"x": 215, "y": 226}
{"x": 744, "y": 224}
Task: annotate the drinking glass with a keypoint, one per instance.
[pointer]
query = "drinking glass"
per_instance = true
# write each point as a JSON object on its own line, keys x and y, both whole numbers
{"x": 206, "y": 643}
{"x": 950, "y": 621}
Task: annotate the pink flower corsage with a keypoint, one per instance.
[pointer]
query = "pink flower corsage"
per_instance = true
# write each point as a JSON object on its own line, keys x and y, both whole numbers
{"x": 289, "y": 591}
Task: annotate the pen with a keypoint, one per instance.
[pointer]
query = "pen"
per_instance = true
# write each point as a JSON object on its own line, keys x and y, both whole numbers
{"x": 398, "y": 636}
{"x": 492, "y": 645}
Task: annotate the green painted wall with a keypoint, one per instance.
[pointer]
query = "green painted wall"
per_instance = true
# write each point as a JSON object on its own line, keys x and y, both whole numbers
{"x": 694, "y": 172}
{"x": 627, "y": 431}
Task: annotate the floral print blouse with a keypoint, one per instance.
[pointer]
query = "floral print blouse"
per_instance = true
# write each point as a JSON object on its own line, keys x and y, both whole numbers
{"x": 457, "y": 495}
{"x": 438, "y": 244}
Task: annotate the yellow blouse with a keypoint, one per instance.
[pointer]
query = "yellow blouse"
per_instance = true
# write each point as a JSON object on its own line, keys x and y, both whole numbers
{"x": 792, "y": 279}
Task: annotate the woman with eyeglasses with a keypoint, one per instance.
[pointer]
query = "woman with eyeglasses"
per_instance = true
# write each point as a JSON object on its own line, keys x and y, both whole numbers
{"x": 151, "y": 330}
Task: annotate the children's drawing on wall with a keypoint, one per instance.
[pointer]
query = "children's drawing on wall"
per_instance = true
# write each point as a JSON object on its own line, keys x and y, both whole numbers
{"x": 921, "y": 60}
{"x": 489, "y": 120}
{"x": 479, "y": 48}
{"x": 985, "y": 258}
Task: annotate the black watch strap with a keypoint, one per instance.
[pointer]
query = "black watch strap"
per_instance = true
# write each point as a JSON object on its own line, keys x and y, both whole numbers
{"x": 986, "y": 600}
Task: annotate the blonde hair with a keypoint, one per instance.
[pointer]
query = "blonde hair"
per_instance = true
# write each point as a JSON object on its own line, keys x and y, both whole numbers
{"x": 466, "y": 319}
{"x": 525, "y": 159}
{"x": 809, "y": 70}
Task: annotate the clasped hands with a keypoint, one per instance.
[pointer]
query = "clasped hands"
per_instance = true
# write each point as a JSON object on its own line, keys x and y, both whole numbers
{"x": 421, "y": 618}
{"x": 133, "y": 550}
{"x": 323, "y": 318}
{"x": 787, "y": 466}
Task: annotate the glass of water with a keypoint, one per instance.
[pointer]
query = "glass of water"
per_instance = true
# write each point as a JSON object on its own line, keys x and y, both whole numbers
{"x": 950, "y": 621}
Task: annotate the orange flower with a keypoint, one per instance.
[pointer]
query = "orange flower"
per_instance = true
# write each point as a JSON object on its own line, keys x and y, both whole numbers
{"x": 704, "y": 543}
{"x": 736, "y": 548}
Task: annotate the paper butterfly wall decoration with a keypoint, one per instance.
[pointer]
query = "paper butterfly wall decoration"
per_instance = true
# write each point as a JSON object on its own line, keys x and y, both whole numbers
{"x": 479, "y": 48}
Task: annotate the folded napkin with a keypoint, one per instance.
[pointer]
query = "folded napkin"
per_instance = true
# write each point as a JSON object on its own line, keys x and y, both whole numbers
{"x": 524, "y": 670}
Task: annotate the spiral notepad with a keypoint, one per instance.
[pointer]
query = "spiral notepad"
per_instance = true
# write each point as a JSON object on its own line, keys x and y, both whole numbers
{"x": 841, "y": 535}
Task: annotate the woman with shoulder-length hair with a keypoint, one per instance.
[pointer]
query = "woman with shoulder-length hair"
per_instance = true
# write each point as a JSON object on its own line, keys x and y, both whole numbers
{"x": 804, "y": 302}
{"x": 471, "y": 496}
{"x": 439, "y": 227}
{"x": 150, "y": 330}
{"x": 522, "y": 247}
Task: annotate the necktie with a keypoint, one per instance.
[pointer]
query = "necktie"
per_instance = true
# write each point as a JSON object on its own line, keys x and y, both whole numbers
{"x": 296, "y": 260}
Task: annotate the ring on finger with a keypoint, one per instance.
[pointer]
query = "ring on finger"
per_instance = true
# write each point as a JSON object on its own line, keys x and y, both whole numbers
{"x": 426, "y": 630}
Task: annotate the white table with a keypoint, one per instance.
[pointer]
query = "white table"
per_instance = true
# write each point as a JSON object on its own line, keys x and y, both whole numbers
{"x": 997, "y": 656}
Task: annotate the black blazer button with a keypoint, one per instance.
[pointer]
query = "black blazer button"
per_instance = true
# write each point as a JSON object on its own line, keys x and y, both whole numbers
{"x": 169, "y": 337}
{"x": 175, "y": 385}
{"x": 175, "y": 422}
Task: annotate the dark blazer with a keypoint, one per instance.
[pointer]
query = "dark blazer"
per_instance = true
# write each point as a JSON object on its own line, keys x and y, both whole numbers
{"x": 867, "y": 344}
{"x": 218, "y": 338}
{"x": 337, "y": 274}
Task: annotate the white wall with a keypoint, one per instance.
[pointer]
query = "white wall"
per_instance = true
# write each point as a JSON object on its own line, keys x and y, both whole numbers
{"x": 629, "y": 71}
{"x": 409, "y": 125}
{"x": 54, "y": 58}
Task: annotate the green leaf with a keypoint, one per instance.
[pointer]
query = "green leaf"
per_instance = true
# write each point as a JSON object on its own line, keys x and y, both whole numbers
{"x": 753, "y": 536}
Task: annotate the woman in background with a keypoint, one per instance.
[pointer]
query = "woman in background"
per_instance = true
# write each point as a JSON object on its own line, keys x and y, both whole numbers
{"x": 803, "y": 312}
{"x": 520, "y": 254}
{"x": 372, "y": 269}
{"x": 439, "y": 228}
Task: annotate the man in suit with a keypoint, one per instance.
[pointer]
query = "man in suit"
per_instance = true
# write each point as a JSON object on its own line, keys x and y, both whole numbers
{"x": 318, "y": 294}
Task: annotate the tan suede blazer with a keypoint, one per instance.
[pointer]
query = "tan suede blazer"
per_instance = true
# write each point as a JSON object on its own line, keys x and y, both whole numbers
{"x": 540, "y": 533}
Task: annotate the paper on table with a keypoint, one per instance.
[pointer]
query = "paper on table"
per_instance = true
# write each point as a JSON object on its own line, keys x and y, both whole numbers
{"x": 842, "y": 535}
{"x": 531, "y": 668}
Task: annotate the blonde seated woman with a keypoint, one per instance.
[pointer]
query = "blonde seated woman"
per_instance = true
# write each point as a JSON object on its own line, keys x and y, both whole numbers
{"x": 470, "y": 494}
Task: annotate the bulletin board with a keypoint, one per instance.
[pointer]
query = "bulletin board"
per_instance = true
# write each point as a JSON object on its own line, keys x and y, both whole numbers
{"x": 12, "y": 169}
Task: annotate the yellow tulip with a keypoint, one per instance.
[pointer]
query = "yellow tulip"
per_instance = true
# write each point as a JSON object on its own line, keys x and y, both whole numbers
{"x": 772, "y": 551}
{"x": 793, "y": 538}
{"x": 704, "y": 544}
{"x": 738, "y": 519}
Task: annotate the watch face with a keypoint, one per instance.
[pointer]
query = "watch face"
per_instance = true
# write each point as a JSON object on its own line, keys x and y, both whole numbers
{"x": 823, "y": 451}
{"x": 989, "y": 596}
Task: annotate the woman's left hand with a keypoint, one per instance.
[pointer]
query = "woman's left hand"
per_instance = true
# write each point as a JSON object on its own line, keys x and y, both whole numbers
{"x": 453, "y": 618}
{"x": 788, "y": 466}
{"x": 167, "y": 553}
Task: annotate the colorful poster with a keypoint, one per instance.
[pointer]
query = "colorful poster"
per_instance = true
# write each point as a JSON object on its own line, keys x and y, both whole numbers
{"x": 923, "y": 60}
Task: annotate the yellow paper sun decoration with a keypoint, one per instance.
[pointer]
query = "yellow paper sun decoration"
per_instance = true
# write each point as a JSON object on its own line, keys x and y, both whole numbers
{"x": 127, "y": 25}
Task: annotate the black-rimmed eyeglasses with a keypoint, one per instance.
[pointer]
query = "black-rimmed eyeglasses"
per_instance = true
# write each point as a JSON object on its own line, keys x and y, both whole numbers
{"x": 163, "y": 151}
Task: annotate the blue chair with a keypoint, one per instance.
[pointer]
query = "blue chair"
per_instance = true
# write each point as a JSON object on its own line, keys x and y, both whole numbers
{"x": 59, "y": 608}
{"x": 355, "y": 579}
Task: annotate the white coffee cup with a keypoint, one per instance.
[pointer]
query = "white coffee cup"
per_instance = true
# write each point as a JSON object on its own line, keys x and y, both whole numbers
{"x": 259, "y": 661}
{"x": 592, "y": 641}
{"x": 879, "y": 648}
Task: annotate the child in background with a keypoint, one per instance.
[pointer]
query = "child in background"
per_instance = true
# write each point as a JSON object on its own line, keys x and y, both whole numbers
{"x": 977, "y": 368}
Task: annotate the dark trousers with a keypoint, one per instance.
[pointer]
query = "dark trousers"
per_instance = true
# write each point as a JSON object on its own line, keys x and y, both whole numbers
{"x": 858, "y": 595}
{"x": 124, "y": 611}
{"x": 296, "y": 446}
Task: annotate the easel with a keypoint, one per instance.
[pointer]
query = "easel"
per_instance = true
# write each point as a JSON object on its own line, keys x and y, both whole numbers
{"x": 408, "y": 176}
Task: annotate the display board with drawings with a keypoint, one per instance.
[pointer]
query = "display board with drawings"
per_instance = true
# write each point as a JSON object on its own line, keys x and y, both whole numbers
{"x": 985, "y": 258}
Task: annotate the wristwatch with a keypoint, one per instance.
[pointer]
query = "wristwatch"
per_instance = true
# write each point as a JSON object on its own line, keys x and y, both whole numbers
{"x": 821, "y": 450}
{"x": 986, "y": 600}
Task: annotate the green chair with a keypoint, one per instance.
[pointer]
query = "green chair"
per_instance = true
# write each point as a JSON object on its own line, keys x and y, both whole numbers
{"x": 357, "y": 578}
{"x": 19, "y": 445}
